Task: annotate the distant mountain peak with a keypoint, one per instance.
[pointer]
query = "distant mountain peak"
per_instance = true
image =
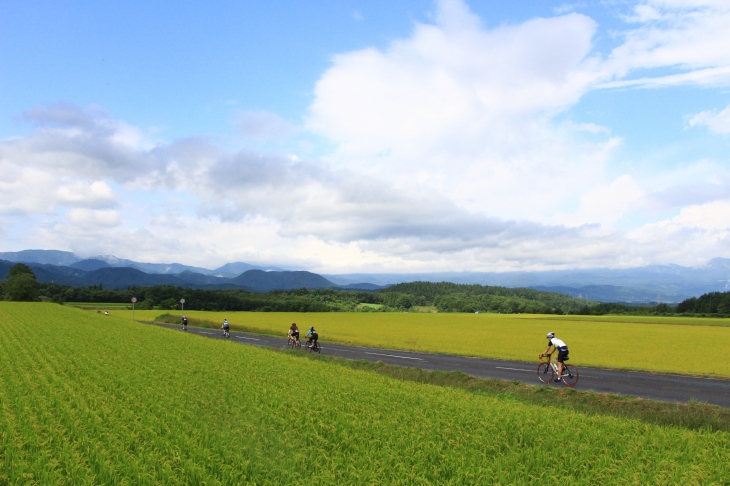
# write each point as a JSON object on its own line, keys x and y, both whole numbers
{"x": 90, "y": 264}
{"x": 110, "y": 259}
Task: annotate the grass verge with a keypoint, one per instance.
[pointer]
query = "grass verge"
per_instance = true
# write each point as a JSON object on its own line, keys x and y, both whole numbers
{"x": 692, "y": 416}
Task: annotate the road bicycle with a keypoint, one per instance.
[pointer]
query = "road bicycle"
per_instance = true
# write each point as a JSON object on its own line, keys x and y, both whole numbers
{"x": 294, "y": 343}
{"x": 226, "y": 334}
{"x": 314, "y": 347}
{"x": 547, "y": 370}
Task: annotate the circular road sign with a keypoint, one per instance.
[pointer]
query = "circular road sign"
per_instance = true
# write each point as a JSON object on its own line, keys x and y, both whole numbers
{"x": 134, "y": 299}
{"x": 182, "y": 301}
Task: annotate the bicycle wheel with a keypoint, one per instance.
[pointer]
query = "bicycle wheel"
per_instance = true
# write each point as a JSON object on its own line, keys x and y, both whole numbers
{"x": 545, "y": 373}
{"x": 570, "y": 375}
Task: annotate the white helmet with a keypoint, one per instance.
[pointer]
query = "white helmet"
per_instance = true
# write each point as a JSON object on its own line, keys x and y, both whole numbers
{"x": 550, "y": 335}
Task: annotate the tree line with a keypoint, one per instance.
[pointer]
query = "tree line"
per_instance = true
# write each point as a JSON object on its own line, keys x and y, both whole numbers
{"x": 20, "y": 284}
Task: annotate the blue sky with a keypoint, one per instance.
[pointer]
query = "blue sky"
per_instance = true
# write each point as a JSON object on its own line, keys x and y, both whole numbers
{"x": 351, "y": 136}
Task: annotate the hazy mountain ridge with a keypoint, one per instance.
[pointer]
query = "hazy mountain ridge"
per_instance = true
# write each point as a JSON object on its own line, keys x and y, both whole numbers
{"x": 653, "y": 283}
{"x": 69, "y": 259}
{"x": 126, "y": 277}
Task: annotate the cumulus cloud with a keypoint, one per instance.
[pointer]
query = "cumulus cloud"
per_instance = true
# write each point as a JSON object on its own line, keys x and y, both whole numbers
{"x": 447, "y": 153}
{"x": 607, "y": 205}
{"x": 87, "y": 218}
{"x": 240, "y": 197}
{"x": 715, "y": 121}
{"x": 451, "y": 82}
{"x": 466, "y": 112}
{"x": 694, "y": 184}
{"x": 80, "y": 194}
{"x": 696, "y": 232}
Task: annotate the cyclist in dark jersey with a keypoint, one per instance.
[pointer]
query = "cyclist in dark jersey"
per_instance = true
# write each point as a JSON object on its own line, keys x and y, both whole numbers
{"x": 562, "y": 350}
{"x": 312, "y": 336}
{"x": 226, "y": 327}
{"x": 295, "y": 332}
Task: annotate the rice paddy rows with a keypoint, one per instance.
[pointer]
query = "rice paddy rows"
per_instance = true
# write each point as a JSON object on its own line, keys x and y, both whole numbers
{"x": 662, "y": 344}
{"x": 88, "y": 399}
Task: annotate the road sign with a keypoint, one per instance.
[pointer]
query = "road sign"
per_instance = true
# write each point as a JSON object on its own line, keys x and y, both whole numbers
{"x": 182, "y": 301}
{"x": 134, "y": 300}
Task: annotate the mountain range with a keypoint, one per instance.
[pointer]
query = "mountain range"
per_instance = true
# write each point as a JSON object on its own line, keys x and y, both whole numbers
{"x": 648, "y": 284}
{"x": 65, "y": 268}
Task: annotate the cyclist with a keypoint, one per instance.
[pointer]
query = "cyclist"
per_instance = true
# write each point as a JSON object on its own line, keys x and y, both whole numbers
{"x": 312, "y": 337}
{"x": 225, "y": 327}
{"x": 184, "y": 323}
{"x": 562, "y": 349}
{"x": 294, "y": 332}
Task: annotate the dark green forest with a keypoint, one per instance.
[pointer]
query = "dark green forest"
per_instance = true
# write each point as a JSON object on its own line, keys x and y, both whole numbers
{"x": 20, "y": 284}
{"x": 714, "y": 303}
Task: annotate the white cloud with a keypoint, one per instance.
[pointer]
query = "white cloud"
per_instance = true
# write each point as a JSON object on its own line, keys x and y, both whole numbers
{"x": 716, "y": 122}
{"x": 264, "y": 125}
{"x": 79, "y": 194}
{"x": 714, "y": 216}
{"x": 606, "y": 205}
{"x": 696, "y": 234}
{"x": 85, "y": 219}
{"x": 448, "y": 155}
{"x": 452, "y": 84}
{"x": 465, "y": 112}
{"x": 694, "y": 184}
{"x": 687, "y": 37}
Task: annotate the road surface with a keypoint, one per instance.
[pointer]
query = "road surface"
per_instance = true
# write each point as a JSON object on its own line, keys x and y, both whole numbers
{"x": 653, "y": 386}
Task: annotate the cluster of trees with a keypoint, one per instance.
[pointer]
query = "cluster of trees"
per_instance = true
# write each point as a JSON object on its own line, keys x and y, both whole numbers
{"x": 714, "y": 303}
{"x": 20, "y": 284}
{"x": 451, "y": 297}
{"x": 168, "y": 297}
{"x": 603, "y": 309}
{"x": 444, "y": 297}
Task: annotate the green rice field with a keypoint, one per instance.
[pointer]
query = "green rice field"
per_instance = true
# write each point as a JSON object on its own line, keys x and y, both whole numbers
{"x": 93, "y": 399}
{"x": 694, "y": 346}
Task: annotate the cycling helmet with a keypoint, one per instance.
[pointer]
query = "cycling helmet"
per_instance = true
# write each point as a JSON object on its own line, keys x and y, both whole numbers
{"x": 311, "y": 328}
{"x": 550, "y": 335}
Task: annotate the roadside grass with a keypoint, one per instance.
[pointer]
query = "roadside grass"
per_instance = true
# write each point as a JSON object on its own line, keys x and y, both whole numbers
{"x": 92, "y": 399}
{"x": 694, "y": 415}
{"x": 658, "y": 344}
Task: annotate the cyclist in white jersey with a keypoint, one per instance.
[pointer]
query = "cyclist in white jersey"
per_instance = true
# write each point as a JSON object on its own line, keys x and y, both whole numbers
{"x": 562, "y": 350}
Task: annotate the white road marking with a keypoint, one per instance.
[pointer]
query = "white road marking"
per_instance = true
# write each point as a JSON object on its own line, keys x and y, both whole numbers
{"x": 203, "y": 332}
{"x": 395, "y": 356}
{"x": 512, "y": 369}
{"x": 244, "y": 337}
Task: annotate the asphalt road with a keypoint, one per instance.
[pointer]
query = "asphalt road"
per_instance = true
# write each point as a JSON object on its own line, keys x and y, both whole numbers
{"x": 653, "y": 386}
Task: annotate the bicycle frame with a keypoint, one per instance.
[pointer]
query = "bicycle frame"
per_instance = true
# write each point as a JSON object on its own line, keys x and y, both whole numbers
{"x": 294, "y": 343}
{"x": 547, "y": 370}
